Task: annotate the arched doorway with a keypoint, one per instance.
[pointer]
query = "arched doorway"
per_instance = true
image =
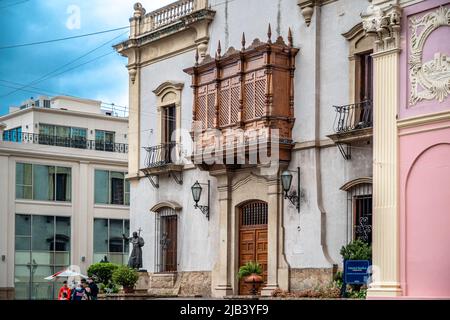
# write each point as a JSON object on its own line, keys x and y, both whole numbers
{"x": 253, "y": 238}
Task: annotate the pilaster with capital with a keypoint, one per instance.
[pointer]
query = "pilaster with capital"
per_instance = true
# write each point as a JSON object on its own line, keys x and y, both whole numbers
{"x": 384, "y": 26}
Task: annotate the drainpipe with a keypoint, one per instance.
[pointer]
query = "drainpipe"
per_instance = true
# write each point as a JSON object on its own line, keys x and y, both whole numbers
{"x": 323, "y": 214}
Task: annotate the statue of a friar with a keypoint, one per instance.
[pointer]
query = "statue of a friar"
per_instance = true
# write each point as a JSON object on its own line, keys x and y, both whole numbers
{"x": 135, "y": 260}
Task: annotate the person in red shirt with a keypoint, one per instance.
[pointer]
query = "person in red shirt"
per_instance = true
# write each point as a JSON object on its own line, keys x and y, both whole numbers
{"x": 64, "y": 292}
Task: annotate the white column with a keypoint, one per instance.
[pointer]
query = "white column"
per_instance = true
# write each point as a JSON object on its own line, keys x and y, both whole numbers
{"x": 385, "y": 26}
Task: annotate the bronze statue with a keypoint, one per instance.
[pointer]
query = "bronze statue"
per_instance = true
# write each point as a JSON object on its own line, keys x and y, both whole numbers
{"x": 135, "y": 260}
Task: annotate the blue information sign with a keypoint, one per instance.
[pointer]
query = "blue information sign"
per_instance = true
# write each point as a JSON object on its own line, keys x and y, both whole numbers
{"x": 356, "y": 271}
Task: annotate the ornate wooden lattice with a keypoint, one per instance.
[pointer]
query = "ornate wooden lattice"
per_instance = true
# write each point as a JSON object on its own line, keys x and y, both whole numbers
{"x": 249, "y": 89}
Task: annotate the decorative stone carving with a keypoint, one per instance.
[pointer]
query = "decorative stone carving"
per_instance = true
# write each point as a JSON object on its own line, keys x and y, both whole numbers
{"x": 384, "y": 26}
{"x": 132, "y": 72}
{"x": 430, "y": 80}
{"x": 307, "y": 13}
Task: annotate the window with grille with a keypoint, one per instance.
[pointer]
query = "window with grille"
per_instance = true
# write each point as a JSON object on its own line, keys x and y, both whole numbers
{"x": 166, "y": 240}
{"x": 254, "y": 213}
{"x": 359, "y": 207}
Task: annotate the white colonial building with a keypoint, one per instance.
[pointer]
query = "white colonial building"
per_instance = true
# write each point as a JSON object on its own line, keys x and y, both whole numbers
{"x": 302, "y": 67}
{"x": 64, "y": 199}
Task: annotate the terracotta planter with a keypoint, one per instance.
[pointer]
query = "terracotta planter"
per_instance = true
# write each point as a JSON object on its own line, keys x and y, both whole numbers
{"x": 256, "y": 280}
{"x": 128, "y": 289}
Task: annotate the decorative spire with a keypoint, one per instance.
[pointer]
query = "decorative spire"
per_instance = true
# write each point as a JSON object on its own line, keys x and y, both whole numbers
{"x": 269, "y": 34}
{"x": 219, "y": 49}
{"x": 290, "y": 43}
{"x": 243, "y": 41}
{"x": 196, "y": 56}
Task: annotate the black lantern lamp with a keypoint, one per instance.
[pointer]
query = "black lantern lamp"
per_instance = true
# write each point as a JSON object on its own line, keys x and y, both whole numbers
{"x": 286, "y": 181}
{"x": 197, "y": 193}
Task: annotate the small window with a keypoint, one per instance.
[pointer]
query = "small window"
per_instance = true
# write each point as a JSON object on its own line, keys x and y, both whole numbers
{"x": 365, "y": 77}
{"x": 111, "y": 187}
{"x": 104, "y": 140}
{"x": 42, "y": 182}
{"x": 13, "y": 135}
{"x": 359, "y": 204}
{"x": 109, "y": 244}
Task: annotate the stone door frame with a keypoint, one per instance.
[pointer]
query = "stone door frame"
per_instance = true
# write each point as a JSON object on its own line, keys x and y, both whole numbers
{"x": 236, "y": 187}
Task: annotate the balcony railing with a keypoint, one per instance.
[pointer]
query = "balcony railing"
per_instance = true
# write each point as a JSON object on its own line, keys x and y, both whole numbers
{"x": 74, "y": 142}
{"x": 163, "y": 154}
{"x": 353, "y": 116}
{"x": 169, "y": 13}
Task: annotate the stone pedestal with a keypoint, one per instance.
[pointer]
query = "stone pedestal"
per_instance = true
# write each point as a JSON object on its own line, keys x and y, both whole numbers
{"x": 143, "y": 282}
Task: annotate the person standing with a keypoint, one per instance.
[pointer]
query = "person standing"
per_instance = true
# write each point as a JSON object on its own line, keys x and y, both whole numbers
{"x": 79, "y": 293}
{"x": 94, "y": 288}
{"x": 64, "y": 292}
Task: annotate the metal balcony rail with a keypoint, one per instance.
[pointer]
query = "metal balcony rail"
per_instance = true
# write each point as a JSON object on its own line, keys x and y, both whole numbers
{"x": 163, "y": 154}
{"x": 353, "y": 116}
{"x": 68, "y": 142}
{"x": 169, "y": 13}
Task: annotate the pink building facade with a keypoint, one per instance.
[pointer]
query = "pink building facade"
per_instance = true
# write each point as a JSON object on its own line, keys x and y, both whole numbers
{"x": 424, "y": 150}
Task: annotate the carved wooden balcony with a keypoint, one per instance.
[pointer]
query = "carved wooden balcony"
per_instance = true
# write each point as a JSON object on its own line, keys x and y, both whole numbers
{"x": 247, "y": 92}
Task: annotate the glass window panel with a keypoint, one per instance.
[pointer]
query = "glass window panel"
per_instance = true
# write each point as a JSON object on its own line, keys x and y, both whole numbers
{"x": 100, "y": 235}
{"x": 23, "y": 243}
{"x": 22, "y": 274}
{"x": 22, "y": 257}
{"x": 45, "y": 129}
{"x": 41, "y": 272}
{"x": 63, "y": 183}
{"x": 115, "y": 235}
{"x": 43, "y": 233}
{"x": 42, "y": 291}
{"x": 127, "y": 199}
{"x": 116, "y": 258}
{"x": 24, "y": 192}
{"x": 43, "y": 178}
{"x": 62, "y": 258}
{"x": 62, "y": 236}
{"x": 100, "y": 256}
{"x": 23, "y": 225}
{"x": 62, "y": 131}
{"x": 22, "y": 291}
{"x": 117, "y": 187}
{"x": 127, "y": 233}
{"x": 23, "y": 173}
{"x": 45, "y": 258}
{"x": 101, "y": 186}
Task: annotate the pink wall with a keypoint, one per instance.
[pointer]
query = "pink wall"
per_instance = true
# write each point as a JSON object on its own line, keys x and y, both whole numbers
{"x": 424, "y": 168}
{"x": 425, "y": 212}
{"x": 438, "y": 41}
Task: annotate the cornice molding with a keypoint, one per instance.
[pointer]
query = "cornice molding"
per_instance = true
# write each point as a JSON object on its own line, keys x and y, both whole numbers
{"x": 307, "y": 8}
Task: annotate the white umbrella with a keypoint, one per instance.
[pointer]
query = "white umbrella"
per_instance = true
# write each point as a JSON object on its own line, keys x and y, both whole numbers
{"x": 66, "y": 273}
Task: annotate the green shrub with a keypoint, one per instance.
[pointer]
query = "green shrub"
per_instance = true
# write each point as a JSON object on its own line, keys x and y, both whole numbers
{"x": 125, "y": 276}
{"x": 248, "y": 269}
{"x": 357, "y": 250}
{"x": 102, "y": 271}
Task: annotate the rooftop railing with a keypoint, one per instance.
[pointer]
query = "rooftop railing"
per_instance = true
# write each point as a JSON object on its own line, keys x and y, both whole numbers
{"x": 68, "y": 142}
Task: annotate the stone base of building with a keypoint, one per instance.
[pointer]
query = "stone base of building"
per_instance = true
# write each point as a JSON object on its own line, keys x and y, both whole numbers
{"x": 182, "y": 284}
{"x": 7, "y": 294}
{"x": 310, "y": 278}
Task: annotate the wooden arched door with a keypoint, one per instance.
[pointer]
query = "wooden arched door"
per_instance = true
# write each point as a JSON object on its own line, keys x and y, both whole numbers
{"x": 252, "y": 238}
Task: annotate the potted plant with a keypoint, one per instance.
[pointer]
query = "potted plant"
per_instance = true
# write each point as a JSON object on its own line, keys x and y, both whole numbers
{"x": 251, "y": 273}
{"x": 126, "y": 277}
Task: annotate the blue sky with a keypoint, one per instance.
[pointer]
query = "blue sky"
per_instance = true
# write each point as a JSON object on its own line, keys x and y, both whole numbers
{"x": 25, "y": 21}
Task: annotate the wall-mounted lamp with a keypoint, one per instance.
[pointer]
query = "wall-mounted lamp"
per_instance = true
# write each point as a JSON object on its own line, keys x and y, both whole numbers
{"x": 3, "y": 257}
{"x": 196, "y": 194}
{"x": 286, "y": 181}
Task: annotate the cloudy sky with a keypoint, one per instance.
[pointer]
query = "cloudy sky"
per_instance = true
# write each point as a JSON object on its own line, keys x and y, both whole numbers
{"x": 85, "y": 67}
